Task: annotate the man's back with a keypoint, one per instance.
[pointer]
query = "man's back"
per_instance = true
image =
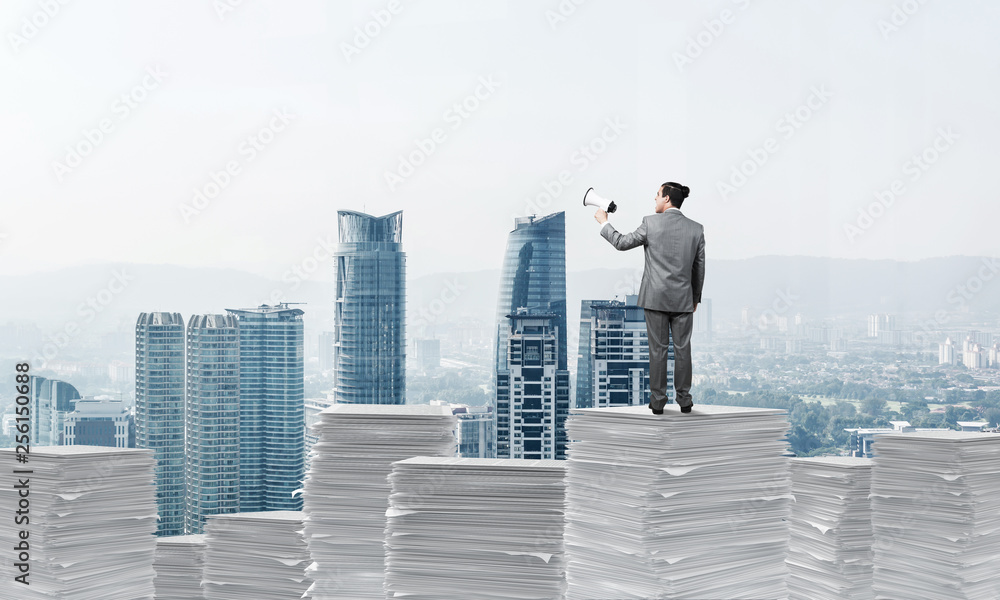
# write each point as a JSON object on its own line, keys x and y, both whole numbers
{"x": 674, "y": 272}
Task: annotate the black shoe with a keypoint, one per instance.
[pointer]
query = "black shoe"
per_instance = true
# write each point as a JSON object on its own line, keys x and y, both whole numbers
{"x": 686, "y": 409}
{"x": 657, "y": 412}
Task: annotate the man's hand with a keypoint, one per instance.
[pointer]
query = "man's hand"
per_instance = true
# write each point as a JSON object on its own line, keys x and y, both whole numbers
{"x": 601, "y": 216}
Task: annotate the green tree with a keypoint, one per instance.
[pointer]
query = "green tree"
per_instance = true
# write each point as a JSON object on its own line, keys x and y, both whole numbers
{"x": 873, "y": 406}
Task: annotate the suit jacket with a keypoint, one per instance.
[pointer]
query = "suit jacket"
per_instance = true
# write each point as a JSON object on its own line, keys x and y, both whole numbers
{"x": 674, "y": 272}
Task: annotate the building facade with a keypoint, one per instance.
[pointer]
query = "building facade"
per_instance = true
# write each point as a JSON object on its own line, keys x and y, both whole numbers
{"x": 532, "y": 397}
{"x": 427, "y": 355}
{"x": 99, "y": 421}
{"x": 619, "y": 355}
{"x": 584, "y": 382}
{"x": 51, "y": 401}
{"x": 532, "y": 281}
{"x": 369, "y": 344}
{"x": 272, "y": 407}
{"x": 159, "y": 410}
{"x": 476, "y": 434}
{"x": 533, "y": 276}
{"x": 212, "y": 419}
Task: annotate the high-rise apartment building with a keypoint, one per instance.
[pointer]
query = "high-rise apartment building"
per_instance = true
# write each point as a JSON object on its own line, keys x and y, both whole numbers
{"x": 878, "y": 323}
{"x": 271, "y": 407}
{"x": 946, "y": 352}
{"x": 212, "y": 419}
{"x": 159, "y": 410}
{"x": 532, "y": 396}
{"x": 369, "y": 347}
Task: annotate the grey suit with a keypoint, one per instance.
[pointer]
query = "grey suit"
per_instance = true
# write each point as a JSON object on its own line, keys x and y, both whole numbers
{"x": 672, "y": 280}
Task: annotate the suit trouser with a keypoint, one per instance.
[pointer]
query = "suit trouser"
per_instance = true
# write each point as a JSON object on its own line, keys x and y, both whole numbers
{"x": 659, "y": 326}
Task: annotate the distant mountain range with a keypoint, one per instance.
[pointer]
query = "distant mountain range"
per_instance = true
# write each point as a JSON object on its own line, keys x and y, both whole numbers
{"x": 111, "y": 295}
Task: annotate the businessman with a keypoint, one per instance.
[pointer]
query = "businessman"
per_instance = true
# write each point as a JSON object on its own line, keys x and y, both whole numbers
{"x": 672, "y": 279}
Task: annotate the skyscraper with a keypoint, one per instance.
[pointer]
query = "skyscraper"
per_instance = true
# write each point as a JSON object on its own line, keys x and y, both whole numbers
{"x": 532, "y": 397}
{"x": 533, "y": 276}
{"x": 99, "y": 421}
{"x": 272, "y": 407}
{"x": 159, "y": 410}
{"x": 369, "y": 348}
{"x": 51, "y": 401}
{"x": 584, "y": 391}
{"x": 617, "y": 356}
{"x": 532, "y": 281}
{"x": 212, "y": 418}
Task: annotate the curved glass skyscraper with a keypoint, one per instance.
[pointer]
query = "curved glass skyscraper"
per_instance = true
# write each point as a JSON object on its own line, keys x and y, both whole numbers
{"x": 533, "y": 277}
{"x": 369, "y": 345}
{"x": 531, "y": 380}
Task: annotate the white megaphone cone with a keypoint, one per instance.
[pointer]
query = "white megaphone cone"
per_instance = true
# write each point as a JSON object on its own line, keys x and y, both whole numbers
{"x": 592, "y": 198}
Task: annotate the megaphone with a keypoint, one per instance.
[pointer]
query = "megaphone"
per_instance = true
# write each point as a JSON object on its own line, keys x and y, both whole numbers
{"x": 592, "y": 198}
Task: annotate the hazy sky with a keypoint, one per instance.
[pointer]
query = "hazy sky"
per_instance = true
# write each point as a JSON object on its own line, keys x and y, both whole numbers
{"x": 491, "y": 104}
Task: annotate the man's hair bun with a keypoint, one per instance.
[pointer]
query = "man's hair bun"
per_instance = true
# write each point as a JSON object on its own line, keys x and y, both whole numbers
{"x": 676, "y": 190}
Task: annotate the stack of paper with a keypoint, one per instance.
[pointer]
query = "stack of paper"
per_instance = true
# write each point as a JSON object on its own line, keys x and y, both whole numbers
{"x": 91, "y": 521}
{"x": 255, "y": 555}
{"x": 830, "y": 550}
{"x": 677, "y": 505}
{"x": 347, "y": 490}
{"x": 936, "y": 515}
{"x": 476, "y": 528}
{"x": 179, "y": 565}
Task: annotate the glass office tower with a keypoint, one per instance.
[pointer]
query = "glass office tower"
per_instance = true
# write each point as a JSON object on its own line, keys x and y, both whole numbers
{"x": 369, "y": 347}
{"x": 212, "y": 419}
{"x": 159, "y": 410}
{"x": 532, "y": 279}
{"x": 51, "y": 401}
{"x": 272, "y": 407}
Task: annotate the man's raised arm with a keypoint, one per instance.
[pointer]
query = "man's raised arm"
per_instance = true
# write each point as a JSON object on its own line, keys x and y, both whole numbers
{"x": 627, "y": 241}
